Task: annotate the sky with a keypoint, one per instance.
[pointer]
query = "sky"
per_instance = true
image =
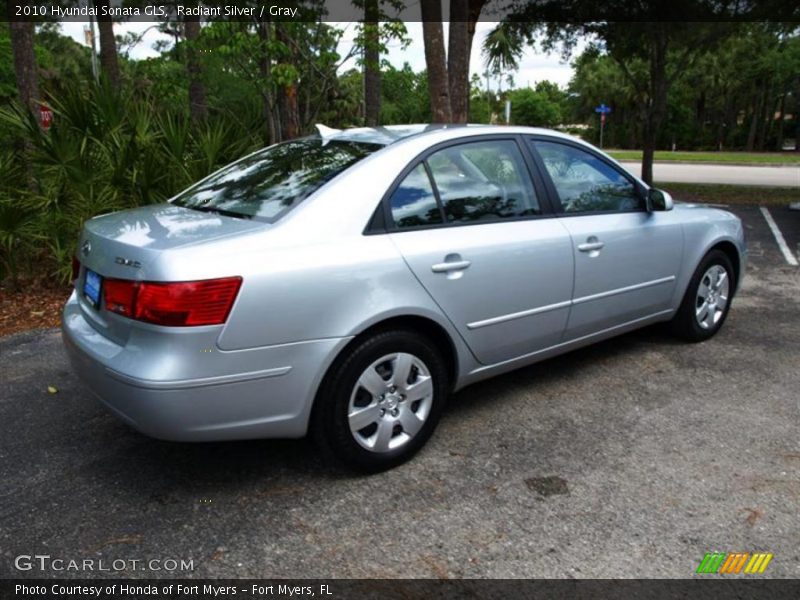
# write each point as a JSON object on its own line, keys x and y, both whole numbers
{"x": 533, "y": 67}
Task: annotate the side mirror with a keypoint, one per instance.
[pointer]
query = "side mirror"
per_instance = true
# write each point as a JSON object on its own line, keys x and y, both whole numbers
{"x": 658, "y": 200}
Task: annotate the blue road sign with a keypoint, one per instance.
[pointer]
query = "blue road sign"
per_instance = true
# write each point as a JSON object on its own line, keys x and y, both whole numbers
{"x": 603, "y": 109}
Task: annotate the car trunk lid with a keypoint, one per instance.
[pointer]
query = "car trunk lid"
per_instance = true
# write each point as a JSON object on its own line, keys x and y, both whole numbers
{"x": 128, "y": 244}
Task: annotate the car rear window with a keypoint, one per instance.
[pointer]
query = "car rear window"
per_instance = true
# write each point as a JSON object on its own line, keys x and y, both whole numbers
{"x": 268, "y": 184}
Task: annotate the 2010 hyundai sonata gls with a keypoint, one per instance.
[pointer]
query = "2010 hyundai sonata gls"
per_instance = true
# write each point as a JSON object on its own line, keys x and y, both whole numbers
{"x": 345, "y": 283}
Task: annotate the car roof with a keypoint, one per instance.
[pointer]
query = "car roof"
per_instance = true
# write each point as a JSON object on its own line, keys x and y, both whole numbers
{"x": 390, "y": 134}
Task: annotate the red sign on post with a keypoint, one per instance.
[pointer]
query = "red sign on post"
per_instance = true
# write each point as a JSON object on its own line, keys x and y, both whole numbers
{"x": 45, "y": 116}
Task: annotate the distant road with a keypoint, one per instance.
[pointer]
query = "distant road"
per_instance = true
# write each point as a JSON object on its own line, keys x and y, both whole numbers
{"x": 729, "y": 174}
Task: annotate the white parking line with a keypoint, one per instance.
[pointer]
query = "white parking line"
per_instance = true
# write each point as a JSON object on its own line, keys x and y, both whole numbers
{"x": 787, "y": 253}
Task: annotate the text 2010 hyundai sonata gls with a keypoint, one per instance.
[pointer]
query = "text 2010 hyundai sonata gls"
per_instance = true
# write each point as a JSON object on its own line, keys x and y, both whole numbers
{"x": 345, "y": 283}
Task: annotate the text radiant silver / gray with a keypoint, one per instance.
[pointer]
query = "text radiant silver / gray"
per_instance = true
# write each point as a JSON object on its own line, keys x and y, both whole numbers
{"x": 345, "y": 283}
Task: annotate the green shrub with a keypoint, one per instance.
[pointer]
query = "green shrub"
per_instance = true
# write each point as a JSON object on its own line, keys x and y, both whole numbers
{"x": 107, "y": 150}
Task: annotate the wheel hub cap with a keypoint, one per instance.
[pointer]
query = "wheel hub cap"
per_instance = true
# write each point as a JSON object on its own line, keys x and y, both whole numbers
{"x": 391, "y": 400}
{"x": 712, "y": 296}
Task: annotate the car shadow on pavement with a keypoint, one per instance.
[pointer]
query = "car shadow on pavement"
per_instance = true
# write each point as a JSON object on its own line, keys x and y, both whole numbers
{"x": 163, "y": 469}
{"x": 545, "y": 373}
{"x": 166, "y": 471}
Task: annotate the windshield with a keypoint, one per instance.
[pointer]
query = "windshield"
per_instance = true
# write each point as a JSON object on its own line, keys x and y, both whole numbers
{"x": 268, "y": 184}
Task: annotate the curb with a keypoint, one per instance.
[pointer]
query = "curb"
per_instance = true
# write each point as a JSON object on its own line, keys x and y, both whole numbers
{"x": 705, "y": 162}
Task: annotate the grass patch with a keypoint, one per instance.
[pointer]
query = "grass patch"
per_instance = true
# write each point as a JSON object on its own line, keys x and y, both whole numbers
{"x": 756, "y": 158}
{"x": 711, "y": 193}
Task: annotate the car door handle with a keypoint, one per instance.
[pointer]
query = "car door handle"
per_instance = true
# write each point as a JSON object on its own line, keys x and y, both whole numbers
{"x": 590, "y": 246}
{"x": 446, "y": 267}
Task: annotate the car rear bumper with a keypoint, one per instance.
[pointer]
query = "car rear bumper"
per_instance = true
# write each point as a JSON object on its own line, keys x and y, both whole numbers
{"x": 262, "y": 393}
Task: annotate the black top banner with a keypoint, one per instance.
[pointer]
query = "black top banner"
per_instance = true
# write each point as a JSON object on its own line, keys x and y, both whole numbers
{"x": 564, "y": 11}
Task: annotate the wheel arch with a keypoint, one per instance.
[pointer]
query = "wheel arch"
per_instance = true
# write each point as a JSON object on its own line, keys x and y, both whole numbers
{"x": 698, "y": 243}
{"x": 424, "y": 325}
{"x": 732, "y": 252}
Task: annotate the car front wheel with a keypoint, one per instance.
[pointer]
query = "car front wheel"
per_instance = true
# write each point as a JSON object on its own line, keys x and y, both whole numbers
{"x": 708, "y": 299}
{"x": 381, "y": 401}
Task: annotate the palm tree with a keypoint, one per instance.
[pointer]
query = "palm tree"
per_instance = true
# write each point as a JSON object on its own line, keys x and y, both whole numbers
{"x": 501, "y": 48}
{"x": 463, "y": 17}
{"x": 197, "y": 89}
{"x": 108, "y": 45}
{"x": 438, "y": 84}
{"x": 25, "y": 70}
{"x": 24, "y": 62}
{"x": 372, "y": 67}
{"x": 448, "y": 78}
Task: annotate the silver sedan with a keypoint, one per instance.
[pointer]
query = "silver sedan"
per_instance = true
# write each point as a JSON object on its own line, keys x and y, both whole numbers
{"x": 345, "y": 283}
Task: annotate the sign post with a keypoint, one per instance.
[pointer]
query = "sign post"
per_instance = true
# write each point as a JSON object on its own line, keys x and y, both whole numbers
{"x": 603, "y": 110}
{"x": 45, "y": 116}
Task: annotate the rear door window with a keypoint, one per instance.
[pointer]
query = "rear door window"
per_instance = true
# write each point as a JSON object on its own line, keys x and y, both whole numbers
{"x": 483, "y": 181}
{"x": 413, "y": 203}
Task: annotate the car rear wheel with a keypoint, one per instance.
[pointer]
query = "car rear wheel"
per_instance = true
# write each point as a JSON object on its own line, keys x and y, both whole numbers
{"x": 707, "y": 300}
{"x": 381, "y": 401}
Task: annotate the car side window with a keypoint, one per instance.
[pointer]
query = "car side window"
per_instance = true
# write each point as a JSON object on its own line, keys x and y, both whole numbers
{"x": 585, "y": 183}
{"x": 483, "y": 181}
{"x": 414, "y": 203}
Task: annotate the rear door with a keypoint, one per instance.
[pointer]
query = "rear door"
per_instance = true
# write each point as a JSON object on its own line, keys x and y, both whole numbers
{"x": 626, "y": 258}
{"x": 479, "y": 236}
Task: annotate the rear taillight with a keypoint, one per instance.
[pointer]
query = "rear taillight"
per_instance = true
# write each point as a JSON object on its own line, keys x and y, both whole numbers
{"x": 180, "y": 304}
{"x": 120, "y": 296}
{"x": 76, "y": 268}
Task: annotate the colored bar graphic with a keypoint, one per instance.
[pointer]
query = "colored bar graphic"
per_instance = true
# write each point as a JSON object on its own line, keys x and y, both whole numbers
{"x": 764, "y": 564}
{"x": 728, "y": 562}
{"x": 713, "y": 567}
{"x": 711, "y": 562}
{"x": 742, "y": 562}
{"x": 734, "y": 562}
{"x": 704, "y": 563}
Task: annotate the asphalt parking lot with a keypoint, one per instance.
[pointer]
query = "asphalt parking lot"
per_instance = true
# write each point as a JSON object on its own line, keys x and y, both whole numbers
{"x": 631, "y": 458}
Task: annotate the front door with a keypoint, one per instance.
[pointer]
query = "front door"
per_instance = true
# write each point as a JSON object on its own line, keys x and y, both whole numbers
{"x": 626, "y": 258}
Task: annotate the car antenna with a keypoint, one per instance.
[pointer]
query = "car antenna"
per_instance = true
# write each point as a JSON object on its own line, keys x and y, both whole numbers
{"x": 326, "y": 133}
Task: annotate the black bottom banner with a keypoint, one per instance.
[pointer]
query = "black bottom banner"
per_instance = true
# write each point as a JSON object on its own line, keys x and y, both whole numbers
{"x": 345, "y": 589}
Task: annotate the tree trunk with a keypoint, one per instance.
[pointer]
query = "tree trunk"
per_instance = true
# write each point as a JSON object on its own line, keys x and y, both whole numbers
{"x": 287, "y": 101}
{"x": 781, "y": 117}
{"x": 648, "y": 154}
{"x": 265, "y": 72}
{"x": 433, "y": 37}
{"x": 25, "y": 70}
{"x": 372, "y": 64}
{"x": 287, "y": 96}
{"x": 700, "y": 119}
{"x": 458, "y": 52}
{"x": 197, "y": 89}
{"x": 475, "y": 8}
{"x": 108, "y": 45}
{"x": 796, "y": 116}
{"x": 764, "y": 118}
{"x": 464, "y": 15}
{"x": 25, "y": 63}
{"x": 655, "y": 109}
{"x": 751, "y": 134}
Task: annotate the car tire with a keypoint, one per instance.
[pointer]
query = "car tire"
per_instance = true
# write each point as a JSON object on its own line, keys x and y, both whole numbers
{"x": 380, "y": 401}
{"x": 707, "y": 299}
